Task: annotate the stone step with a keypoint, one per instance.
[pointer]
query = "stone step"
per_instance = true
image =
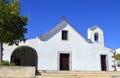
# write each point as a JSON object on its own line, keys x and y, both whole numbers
{"x": 78, "y": 74}
{"x": 74, "y": 77}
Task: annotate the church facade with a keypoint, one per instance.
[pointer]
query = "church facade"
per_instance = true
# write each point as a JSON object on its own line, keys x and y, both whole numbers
{"x": 63, "y": 48}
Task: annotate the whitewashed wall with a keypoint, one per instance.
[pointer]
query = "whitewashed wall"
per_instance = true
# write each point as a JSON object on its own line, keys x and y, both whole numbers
{"x": 84, "y": 56}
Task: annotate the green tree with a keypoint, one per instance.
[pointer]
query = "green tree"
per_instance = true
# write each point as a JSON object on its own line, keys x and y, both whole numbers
{"x": 12, "y": 23}
{"x": 117, "y": 56}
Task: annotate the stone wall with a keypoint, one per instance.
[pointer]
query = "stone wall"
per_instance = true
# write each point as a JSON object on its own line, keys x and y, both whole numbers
{"x": 17, "y": 72}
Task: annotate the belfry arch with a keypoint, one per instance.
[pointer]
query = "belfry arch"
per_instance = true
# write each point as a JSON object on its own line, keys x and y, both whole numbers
{"x": 96, "y": 37}
{"x": 25, "y": 56}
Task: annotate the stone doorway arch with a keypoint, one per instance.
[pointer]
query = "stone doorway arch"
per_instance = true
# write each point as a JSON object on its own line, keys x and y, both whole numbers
{"x": 25, "y": 56}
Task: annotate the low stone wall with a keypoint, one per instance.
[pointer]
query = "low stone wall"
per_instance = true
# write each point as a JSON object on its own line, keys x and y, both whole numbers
{"x": 17, "y": 72}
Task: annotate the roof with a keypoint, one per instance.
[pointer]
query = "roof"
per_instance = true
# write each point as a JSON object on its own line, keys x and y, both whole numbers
{"x": 60, "y": 26}
{"x": 57, "y": 28}
{"x": 95, "y": 27}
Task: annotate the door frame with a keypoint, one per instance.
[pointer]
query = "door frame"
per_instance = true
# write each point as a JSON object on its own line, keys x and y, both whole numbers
{"x": 70, "y": 59}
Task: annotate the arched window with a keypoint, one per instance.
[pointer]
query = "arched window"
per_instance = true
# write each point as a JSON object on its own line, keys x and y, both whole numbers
{"x": 96, "y": 37}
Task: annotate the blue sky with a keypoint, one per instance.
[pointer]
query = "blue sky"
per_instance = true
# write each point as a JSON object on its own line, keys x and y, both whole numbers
{"x": 82, "y": 14}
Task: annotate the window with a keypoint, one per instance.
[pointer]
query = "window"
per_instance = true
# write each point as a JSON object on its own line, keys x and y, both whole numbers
{"x": 64, "y": 35}
{"x": 96, "y": 37}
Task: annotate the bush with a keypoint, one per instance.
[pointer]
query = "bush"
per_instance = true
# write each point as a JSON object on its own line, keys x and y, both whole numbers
{"x": 6, "y": 63}
{"x": 12, "y": 64}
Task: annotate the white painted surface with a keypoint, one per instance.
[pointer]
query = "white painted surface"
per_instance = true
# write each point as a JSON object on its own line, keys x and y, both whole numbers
{"x": 85, "y": 55}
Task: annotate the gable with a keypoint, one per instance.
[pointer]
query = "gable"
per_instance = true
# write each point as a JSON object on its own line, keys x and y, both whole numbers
{"x": 58, "y": 28}
{"x": 53, "y": 31}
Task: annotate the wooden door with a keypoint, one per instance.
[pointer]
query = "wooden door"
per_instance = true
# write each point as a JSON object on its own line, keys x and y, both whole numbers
{"x": 64, "y": 61}
{"x": 103, "y": 63}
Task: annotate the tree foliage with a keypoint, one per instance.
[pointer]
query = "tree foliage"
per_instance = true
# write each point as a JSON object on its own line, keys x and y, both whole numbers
{"x": 117, "y": 56}
{"x": 12, "y": 23}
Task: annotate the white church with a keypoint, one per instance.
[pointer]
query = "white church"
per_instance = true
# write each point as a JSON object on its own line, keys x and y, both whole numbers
{"x": 63, "y": 48}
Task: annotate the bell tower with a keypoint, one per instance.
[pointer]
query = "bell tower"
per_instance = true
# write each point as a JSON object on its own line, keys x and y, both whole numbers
{"x": 95, "y": 34}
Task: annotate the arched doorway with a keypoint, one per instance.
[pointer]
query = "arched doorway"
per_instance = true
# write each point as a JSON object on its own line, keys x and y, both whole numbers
{"x": 24, "y": 56}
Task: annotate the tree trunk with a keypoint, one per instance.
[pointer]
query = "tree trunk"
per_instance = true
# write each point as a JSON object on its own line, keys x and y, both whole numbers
{"x": 1, "y": 50}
